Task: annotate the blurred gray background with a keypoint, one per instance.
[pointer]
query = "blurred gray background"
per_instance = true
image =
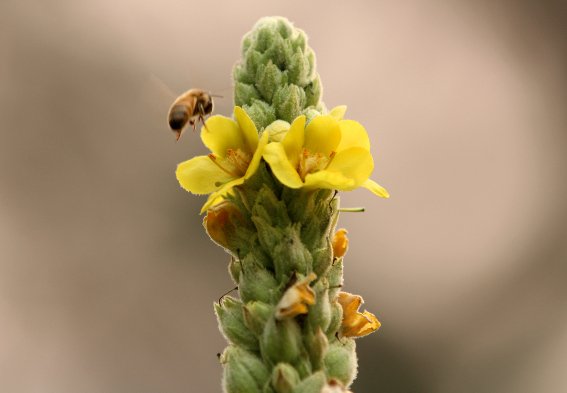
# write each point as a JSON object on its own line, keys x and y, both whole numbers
{"x": 107, "y": 279}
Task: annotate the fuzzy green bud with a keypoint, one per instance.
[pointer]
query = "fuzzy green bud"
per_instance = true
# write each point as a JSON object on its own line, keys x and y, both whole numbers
{"x": 278, "y": 68}
{"x": 289, "y": 101}
{"x": 281, "y": 341}
{"x": 243, "y": 371}
{"x": 260, "y": 112}
{"x": 257, "y": 283}
{"x": 256, "y": 314}
{"x": 231, "y": 323}
{"x": 340, "y": 361}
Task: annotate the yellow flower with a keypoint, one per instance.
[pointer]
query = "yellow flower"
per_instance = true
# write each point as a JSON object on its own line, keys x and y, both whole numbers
{"x": 340, "y": 243}
{"x": 236, "y": 154}
{"x": 355, "y": 323}
{"x": 296, "y": 298}
{"x": 329, "y": 153}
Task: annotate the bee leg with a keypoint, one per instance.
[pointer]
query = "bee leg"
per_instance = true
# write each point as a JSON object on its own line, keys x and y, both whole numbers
{"x": 192, "y": 124}
{"x": 202, "y": 116}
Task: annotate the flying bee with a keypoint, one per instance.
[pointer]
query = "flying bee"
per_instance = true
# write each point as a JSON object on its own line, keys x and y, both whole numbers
{"x": 190, "y": 108}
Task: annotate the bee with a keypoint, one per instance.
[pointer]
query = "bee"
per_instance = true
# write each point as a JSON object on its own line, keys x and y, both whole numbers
{"x": 190, "y": 108}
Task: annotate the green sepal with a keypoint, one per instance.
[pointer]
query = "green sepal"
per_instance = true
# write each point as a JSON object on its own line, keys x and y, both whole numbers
{"x": 281, "y": 341}
{"x": 243, "y": 371}
{"x": 284, "y": 378}
{"x": 318, "y": 344}
{"x": 256, "y": 314}
{"x": 341, "y": 361}
{"x": 336, "y": 320}
{"x": 312, "y": 384}
{"x": 270, "y": 208}
{"x": 290, "y": 255}
{"x": 234, "y": 269}
{"x": 313, "y": 92}
{"x": 231, "y": 323}
{"x": 323, "y": 258}
{"x": 335, "y": 277}
{"x": 303, "y": 366}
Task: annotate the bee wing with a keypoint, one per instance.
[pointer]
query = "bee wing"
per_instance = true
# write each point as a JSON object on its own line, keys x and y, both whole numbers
{"x": 164, "y": 90}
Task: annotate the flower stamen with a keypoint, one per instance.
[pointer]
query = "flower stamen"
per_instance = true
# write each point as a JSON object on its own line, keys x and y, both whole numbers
{"x": 215, "y": 161}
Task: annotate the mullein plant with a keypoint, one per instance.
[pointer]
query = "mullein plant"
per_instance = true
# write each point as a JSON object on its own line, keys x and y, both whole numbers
{"x": 272, "y": 177}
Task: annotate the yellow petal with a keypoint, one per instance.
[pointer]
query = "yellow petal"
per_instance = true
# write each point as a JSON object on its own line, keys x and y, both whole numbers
{"x": 216, "y": 197}
{"x": 355, "y": 163}
{"x": 277, "y": 130}
{"x": 353, "y": 134}
{"x": 212, "y": 201}
{"x": 338, "y": 112}
{"x": 329, "y": 180}
{"x": 355, "y": 323}
{"x": 294, "y": 139}
{"x": 247, "y": 127}
{"x": 376, "y": 188}
{"x": 255, "y": 162}
{"x": 221, "y": 134}
{"x": 340, "y": 243}
{"x": 349, "y": 302}
{"x": 322, "y": 135}
{"x": 200, "y": 175}
{"x": 360, "y": 325}
{"x": 275, "y": 155}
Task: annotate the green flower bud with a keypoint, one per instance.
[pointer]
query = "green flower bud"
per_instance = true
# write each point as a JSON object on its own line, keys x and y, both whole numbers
{"x": 289, "y": 101}
{"x": 281, "y": 341}
{"x": 245, "y": 94}
{"x": 341, "y": 362}
{"x": 256, "y": 283}
{"x": 261, "y": 113}
{"x": 231, "y": 323}
{"x": 312, "y": 384}
{"x": 299, "y": 69}
{"x": 268, "y": 79}
{"x": 284, "y": 378}
{"x": 268, "y": 235}
{"x": 256, "y": 314}
{"x": 310, "y": 113}
{"x": 243, "y": 371}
